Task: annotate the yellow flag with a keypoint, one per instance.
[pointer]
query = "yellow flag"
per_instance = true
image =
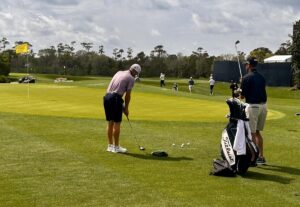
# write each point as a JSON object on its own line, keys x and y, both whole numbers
{"x": 22, "y": 48}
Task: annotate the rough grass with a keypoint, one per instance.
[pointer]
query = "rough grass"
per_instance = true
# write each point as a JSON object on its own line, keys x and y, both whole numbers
{"x": 52, "y": 148}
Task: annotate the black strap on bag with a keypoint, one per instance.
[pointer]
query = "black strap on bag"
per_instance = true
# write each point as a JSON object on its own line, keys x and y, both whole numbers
{"x": 222, "y": 168}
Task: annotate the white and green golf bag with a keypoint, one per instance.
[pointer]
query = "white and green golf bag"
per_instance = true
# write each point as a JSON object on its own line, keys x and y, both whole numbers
{"x": 237, "y": 147}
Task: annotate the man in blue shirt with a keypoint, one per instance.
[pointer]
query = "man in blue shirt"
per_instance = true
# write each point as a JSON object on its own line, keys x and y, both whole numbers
{"x": 254, "y": 91}
{"x": 191, "y": 84}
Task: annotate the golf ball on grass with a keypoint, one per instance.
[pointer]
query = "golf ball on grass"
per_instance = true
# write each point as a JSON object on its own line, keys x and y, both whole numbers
{"x": 182, "y": 145}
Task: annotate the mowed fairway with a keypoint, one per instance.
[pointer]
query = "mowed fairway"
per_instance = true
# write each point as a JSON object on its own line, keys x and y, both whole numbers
{"x": 53, "y": 148}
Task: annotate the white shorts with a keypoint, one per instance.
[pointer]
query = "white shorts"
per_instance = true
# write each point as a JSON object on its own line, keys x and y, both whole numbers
{"x": 190, "y": 87}
{"x": 257, "y": 114}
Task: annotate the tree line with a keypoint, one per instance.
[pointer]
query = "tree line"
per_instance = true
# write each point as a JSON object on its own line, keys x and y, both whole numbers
{"x": 63, "y": 59}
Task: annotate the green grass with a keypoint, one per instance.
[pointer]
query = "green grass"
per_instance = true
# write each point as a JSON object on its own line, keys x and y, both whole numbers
{"x": 53, "y": 142}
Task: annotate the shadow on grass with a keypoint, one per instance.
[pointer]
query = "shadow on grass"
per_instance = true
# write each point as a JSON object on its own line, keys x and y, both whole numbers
{"x": 267, "y": 177}
{"x": 283, "y": 169}
{"x": 148, "y": 156}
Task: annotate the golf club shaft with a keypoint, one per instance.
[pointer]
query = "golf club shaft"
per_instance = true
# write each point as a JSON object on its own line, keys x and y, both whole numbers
{"x": 238, "y": 58}
{"x": 129, "y": 122}
{"x": 136, "y": 141}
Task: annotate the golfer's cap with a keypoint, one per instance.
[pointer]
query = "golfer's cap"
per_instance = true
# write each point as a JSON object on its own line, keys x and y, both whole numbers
{"x": 252, "y": 61}
{"x": 136, "y": 67}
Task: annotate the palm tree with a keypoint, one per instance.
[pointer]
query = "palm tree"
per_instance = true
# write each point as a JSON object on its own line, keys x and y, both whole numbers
{"x": 129, "y": 53}
{"x": 101, "y": 50}
{"x": 4, "y": 42}
{"x": 60, "y": 49}
{"x": 87, "y": 45}
{"x": 72, "y": 47}
{"x": 159, "y": 49}
{"x": 120, "y": 53}
{"x": 115, "y": 53}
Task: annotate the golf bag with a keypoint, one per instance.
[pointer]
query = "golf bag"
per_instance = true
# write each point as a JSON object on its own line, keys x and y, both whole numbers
{"x": 222, "y": 168}
{"x": 237, "y": 148}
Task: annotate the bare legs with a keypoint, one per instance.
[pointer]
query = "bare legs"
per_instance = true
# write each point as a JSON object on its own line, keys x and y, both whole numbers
{"x": 113, "y": 132}
{"x": 258, "y": 140}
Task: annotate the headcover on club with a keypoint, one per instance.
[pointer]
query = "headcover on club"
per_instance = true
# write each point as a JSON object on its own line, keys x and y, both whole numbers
{"x": 159, "y": 154}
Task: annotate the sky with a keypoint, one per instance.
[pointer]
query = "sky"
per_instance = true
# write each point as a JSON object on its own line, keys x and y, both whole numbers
{"x": 181, "y": 26}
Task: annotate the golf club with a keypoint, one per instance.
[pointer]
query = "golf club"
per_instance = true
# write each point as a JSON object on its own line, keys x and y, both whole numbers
{"x": 140, "y": 147}
{"x": 237, "y": 42}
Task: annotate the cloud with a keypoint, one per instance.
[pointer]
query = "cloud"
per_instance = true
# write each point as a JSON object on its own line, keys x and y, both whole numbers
{"x": 155, "y": 32}
{"x": 59, "y": 2}
{"x": 207, "y": 24}
{"x": 165, "y": 5}
{"x": 179, "y": 24}
{"x": 6, "y": 16}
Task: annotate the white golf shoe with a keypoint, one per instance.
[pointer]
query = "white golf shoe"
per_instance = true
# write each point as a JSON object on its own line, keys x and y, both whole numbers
{"x": 110, "y": 148}
{"x": 119, "y": 149}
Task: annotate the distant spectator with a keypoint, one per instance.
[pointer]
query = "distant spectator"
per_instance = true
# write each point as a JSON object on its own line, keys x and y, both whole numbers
{"x": 175, "y": 87}
{"x": 191, "y": 84}
{"x": 162, "y": 79}
{"x": 211, "y": 85}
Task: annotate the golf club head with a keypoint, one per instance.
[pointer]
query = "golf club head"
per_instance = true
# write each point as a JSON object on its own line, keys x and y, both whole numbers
{"x": 237, "y": 42}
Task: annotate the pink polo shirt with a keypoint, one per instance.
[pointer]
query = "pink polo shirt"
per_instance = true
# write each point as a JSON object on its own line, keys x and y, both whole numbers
{"x": 121, "y": 83}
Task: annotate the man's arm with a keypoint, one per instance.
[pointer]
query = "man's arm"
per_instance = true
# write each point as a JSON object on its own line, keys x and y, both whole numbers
{"x": 127, "y": 100}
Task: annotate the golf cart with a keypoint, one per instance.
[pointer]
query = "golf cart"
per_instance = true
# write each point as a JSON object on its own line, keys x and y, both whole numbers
{"x": 27, "y": 79}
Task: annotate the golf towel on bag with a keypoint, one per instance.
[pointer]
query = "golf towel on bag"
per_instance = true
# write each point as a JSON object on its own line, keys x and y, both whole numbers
{"x": 237, "y": 148}
{"x": 242, "y": 130}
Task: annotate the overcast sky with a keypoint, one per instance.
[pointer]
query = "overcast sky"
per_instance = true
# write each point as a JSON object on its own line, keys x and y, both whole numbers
{"x": 178, "y": 25}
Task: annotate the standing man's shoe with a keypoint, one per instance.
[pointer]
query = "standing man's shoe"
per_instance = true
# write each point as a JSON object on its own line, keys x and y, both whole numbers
{"x": 119, "y": 149}
{"x": 261, "y": 161}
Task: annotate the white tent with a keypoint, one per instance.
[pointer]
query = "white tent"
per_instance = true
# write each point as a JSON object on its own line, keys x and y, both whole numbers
{"x": 279, "y": 59}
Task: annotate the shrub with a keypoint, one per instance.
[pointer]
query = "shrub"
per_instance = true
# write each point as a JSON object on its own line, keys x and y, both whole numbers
{"x": 4, "y": 79}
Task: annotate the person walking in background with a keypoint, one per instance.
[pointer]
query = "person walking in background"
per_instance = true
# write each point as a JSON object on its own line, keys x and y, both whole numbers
{"x": 162, "y": 80}
{"x": 211, "y": 84}
{"x": 175, "y": 87}
{"x": 121, "y": 83}
{"x": 191, "y": 84}
{"x": 253, "y": 87}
